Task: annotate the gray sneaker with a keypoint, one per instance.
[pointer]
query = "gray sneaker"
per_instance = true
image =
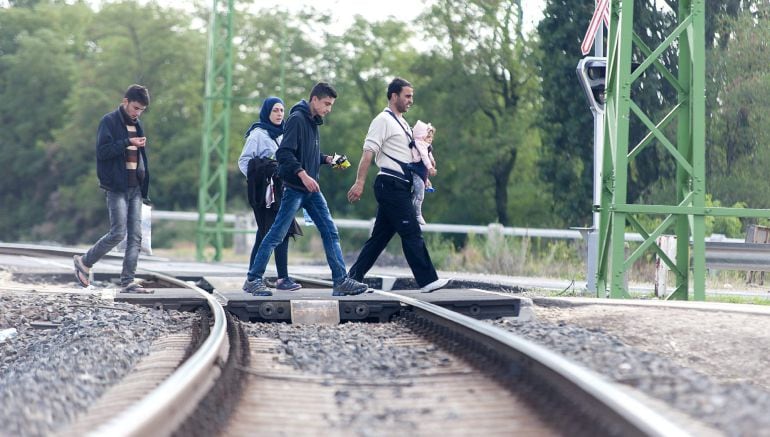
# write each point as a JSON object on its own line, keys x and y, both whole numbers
{"x": 135, "y": 288}
{"x": 349, "y": 287}
{"x": 256, "y": 287}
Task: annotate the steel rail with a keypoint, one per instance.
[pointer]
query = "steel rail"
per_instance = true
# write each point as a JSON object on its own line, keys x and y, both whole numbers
{"x": 162, "y": 411}
{"x": 584, "y": 386}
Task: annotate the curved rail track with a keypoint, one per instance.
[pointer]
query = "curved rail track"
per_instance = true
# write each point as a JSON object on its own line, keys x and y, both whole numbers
{"x": 493, "y": 361}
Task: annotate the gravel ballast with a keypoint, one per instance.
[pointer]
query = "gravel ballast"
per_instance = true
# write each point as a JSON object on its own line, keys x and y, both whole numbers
{"x": 67, "y": 350}
{"x": 673, "y": 355}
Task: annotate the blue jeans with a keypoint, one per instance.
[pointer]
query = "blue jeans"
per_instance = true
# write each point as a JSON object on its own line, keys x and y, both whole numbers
{"x": 125, "y": 211}
{"x": 315, "y": 204}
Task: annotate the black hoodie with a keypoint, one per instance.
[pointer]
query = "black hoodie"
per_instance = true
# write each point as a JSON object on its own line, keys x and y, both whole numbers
{"x": 111, "y": 143}
{"x": 301, "y": 147}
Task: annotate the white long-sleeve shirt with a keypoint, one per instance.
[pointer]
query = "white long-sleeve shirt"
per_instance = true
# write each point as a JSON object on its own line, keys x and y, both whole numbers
{"x": 385, "y": 135}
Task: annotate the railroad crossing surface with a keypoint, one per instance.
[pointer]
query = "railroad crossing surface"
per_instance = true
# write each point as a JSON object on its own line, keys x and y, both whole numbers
{"x": 312, "y": 304}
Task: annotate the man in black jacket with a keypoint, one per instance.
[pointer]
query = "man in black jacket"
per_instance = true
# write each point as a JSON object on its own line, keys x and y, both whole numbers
{"x": 121, "y": 165}
{"x": 299, "y": 159}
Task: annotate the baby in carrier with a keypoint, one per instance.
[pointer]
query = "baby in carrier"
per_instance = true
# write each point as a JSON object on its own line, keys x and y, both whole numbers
{"x": 423, "y": 165}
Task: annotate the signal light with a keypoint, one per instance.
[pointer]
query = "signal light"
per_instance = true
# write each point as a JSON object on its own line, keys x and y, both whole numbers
{"x": 592, "y": 72}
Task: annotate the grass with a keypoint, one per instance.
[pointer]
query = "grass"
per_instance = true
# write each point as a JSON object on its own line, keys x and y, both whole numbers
{"x": 751, "y": 300}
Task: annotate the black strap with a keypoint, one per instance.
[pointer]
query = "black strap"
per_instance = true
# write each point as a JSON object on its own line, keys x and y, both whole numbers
{"x": 405, "y": 167}
{"x": 396, "y": 174}
{"x": 408, "y": 135}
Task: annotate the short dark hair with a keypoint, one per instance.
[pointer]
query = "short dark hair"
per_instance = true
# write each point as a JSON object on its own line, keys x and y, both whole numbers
{"x": 396, "y": 85}
{"x": 323, "y": 89}
{"x": 138, "y": 93}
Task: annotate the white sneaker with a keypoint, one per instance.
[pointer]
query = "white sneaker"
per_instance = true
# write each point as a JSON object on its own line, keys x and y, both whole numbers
{"x": 435, "y": 285}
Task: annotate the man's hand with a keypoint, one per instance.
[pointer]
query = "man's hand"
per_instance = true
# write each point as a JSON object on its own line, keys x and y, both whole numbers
{"x": 138, "y": 141}
{"x": 309, "y": 182}
{"x": 355, "y": 192}
{"x": 432, "y": 171}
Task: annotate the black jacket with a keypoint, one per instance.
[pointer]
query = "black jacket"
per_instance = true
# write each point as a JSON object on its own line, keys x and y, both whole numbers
{"x": 259, "y": 174}
{"x": 111, "y": 143}
{"x": 301, "y": 147}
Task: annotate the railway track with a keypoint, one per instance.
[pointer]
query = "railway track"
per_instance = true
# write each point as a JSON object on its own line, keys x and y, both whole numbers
{"x": 459, "y": 375}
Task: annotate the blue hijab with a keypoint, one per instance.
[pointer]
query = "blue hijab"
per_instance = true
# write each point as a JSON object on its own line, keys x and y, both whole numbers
{"x": 274, "y": 130}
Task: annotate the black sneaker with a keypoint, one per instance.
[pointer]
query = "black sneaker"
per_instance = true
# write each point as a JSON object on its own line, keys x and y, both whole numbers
{"x": 256, "y": 287}
{"x": 349, "y": 287}
{"x": 286, "y": 284}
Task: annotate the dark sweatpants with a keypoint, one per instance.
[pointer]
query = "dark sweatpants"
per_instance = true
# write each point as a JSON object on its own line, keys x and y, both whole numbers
{"x": 395, "y": 214}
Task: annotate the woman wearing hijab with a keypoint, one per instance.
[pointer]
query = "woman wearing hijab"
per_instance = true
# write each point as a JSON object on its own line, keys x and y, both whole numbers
{"x": 257, "y": 162}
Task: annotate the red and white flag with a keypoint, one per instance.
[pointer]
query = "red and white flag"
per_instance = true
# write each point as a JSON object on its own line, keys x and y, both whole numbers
{"x": 601, "y": 15}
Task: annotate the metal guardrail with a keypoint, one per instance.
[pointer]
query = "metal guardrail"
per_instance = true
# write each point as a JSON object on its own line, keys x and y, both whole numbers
{"x": 563, "y": 234}
{"x": 738, "y": 256}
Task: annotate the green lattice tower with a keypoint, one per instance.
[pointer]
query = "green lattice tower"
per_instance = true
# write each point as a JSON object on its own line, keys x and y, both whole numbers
{"x": 212, "y": 186}
{"x": 686, "y": 217}
{"x": 688, "y": 150}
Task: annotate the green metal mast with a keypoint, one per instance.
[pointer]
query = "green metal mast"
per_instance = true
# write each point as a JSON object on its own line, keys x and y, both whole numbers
{"x": 687, "y": 119}
{"x": 688, "y": 149}
{"x": 212, "y": 186}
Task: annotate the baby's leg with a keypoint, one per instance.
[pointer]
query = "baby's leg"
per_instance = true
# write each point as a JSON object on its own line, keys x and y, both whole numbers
{"x": 418, "y": 195}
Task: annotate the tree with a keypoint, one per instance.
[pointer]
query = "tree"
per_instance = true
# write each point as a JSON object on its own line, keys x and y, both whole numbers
{"x": 64, "y": 66}
{"x": 567, "y": 157}
{"x": 36, "y": 75}
{"x": 738, "y": 153}
{"x": 487, "y": 71}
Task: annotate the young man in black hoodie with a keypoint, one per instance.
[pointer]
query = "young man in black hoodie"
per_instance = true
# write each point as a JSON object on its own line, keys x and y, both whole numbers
{"x": 299, "y": 159}
{"x": 121, "y": 165}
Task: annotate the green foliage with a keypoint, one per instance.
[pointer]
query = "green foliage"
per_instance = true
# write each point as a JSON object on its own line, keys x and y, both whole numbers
{"x": 566, "y": 163}
{"x": 487, "y": 119}
{"x": 738, "y": 153}
{"x": 65, "y": 66}
{"x": 728, "y": 226}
